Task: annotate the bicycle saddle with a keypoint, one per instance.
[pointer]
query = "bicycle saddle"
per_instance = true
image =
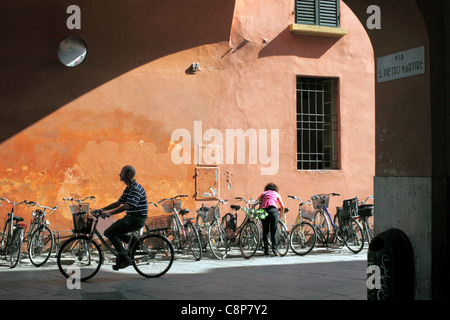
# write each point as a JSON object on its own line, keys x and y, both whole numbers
{"x": 18, "y": 219}
{"x": 184, "y": 211}
{"x": 235, "y": 207}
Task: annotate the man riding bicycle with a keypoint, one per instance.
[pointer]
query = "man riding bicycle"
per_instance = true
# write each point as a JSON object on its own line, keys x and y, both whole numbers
{"x": 134, "y": 202}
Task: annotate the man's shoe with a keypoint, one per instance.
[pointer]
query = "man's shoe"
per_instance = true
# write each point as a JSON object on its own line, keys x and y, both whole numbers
{"x": 122, "y": 262}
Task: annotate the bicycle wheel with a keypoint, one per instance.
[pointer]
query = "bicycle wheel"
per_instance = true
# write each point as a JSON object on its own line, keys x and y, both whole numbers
{"x": 336, "y": 231}
{"x": 202, "y": 229}
{"x": 353, "y": 235}
{"x": 322, "y": 227}
{"x": 4, "y": 235}
{"x": 16, "y": 246}
{"x": 369, "y": 233}
{"x": 193, "y": 241}
{"x": 217, "y": 240}
{"x": 249, "y": 239}
{"x": 303, "y": 238}
{"x": 152, "y": 255}
{"x": 40, "y": 246}
{"x": 282, "y": 239}
{"x": 229, "y": 226}
{"x": 81, "y": 256}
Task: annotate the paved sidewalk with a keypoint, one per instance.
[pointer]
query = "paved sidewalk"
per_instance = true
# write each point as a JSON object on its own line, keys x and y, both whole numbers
{"x": 324, "y": 274}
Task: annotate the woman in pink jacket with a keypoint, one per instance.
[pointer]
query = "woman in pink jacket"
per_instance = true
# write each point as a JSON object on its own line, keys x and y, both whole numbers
{"x": 270, "y": 200}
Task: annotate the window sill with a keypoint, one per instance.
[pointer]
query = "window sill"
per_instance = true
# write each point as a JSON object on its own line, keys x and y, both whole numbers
{"x": 297, "y": 28}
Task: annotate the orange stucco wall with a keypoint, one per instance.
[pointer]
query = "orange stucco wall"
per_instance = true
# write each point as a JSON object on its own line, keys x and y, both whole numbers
{"x": 121, "y": 105}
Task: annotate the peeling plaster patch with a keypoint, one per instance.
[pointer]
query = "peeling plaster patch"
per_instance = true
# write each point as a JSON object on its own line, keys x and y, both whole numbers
{"x": 229, "y": 179}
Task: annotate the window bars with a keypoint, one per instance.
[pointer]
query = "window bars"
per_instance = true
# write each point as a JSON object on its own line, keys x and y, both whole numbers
{"x": 317, "y": 123}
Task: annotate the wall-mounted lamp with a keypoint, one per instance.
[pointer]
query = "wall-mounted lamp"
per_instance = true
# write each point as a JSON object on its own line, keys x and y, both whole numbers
{"x": 195, "y": 67}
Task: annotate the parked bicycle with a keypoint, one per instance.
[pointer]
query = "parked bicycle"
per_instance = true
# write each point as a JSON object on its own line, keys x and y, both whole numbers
{"x": 183, "y": 233}
{"x": 366, "y": 218}
{"x": 345, "y": 226}
{"x": 211, "y": 231}
{"x": 247, "y": 233}
{"x": 303, "y": 234}
{"x": 12, "y": 235}
{"x": 40, "y": 238}
{"x": 151, "y": 255}
{"x": 282, "y": 235}
{"x": 322, "y": 218}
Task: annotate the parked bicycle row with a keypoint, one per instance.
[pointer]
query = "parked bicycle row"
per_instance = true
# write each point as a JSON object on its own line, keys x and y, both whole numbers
{"x": 39, "y": 238}
{"x": 209, "y": 231}
{"x": 152, "y": 255}
{"x": 153, "y": 249}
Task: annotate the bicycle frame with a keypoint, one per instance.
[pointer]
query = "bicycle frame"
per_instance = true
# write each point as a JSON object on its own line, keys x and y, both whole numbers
{"x": 180, "y": 224}
{"x": 238, "y": 230}
{"x": 10, "y": 222}
{"x": 300, "y": 239}
{"x": 206, "y": 209}
{"x": 334, "y": 226}
{"x": 133, "y": 237}
{"x": 241, "y": 226}
{"x": 182, "y": 236}
{"x": 39, "y": 219}
{"x": 176, "y": 218}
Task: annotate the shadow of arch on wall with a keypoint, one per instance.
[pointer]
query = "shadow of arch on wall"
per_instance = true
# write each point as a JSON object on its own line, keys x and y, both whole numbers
{"x": 120, "y": 36}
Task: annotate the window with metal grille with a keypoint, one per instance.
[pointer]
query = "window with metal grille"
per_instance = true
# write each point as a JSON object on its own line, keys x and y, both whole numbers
{"x": 317, "y": 123}
{"x": 318, "y": 12}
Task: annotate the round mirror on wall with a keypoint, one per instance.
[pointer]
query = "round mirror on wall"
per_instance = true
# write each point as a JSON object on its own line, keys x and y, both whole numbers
{"x": 72, "y": 51}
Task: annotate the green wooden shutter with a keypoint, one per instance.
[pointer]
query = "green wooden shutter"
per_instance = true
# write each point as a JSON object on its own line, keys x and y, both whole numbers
{"x": 305, "y": 11}
{"x": 329, "y": 13}
{"x": 317, "y": 12}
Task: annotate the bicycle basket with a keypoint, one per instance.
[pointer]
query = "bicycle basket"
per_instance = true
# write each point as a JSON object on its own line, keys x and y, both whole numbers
{"x": 365, "y": 210}
{"x": 158, "y": 223}
{"x": 350, "y": 208}
{"x": 320, "y": 201}
{"x": 82, "y": 223}
{"x": 76, "y": 208}
{"x": 229, "y": 222}
{"x": 308, "y": 215}
{"x": 168, "y": 205}
{"x": 210, "y": 215}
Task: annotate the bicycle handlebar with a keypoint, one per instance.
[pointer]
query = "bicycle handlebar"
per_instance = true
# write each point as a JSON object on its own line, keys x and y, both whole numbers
{"x": 221, "y": 202}
{"x": 326, "y": 195}
{"x": 369, "y": 197}
{"x": 249, "y": 202}
{"x": 96, "y": 213}
{"x": 34, "y": 203}
{"x": 299, "y": 199}
{"x": 173, "y": 198}
{"x": 78, "y": 200}
{"x": 206, "y": 208}
{"x": 13, "y": 203}
{"x": 153, "y": 204}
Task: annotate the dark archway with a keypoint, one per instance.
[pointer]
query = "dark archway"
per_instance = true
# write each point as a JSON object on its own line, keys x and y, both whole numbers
{"x": 412, "y": 145}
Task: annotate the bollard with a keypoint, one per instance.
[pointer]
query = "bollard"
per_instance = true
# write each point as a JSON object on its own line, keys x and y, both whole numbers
{"x": 390, "y": 261}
